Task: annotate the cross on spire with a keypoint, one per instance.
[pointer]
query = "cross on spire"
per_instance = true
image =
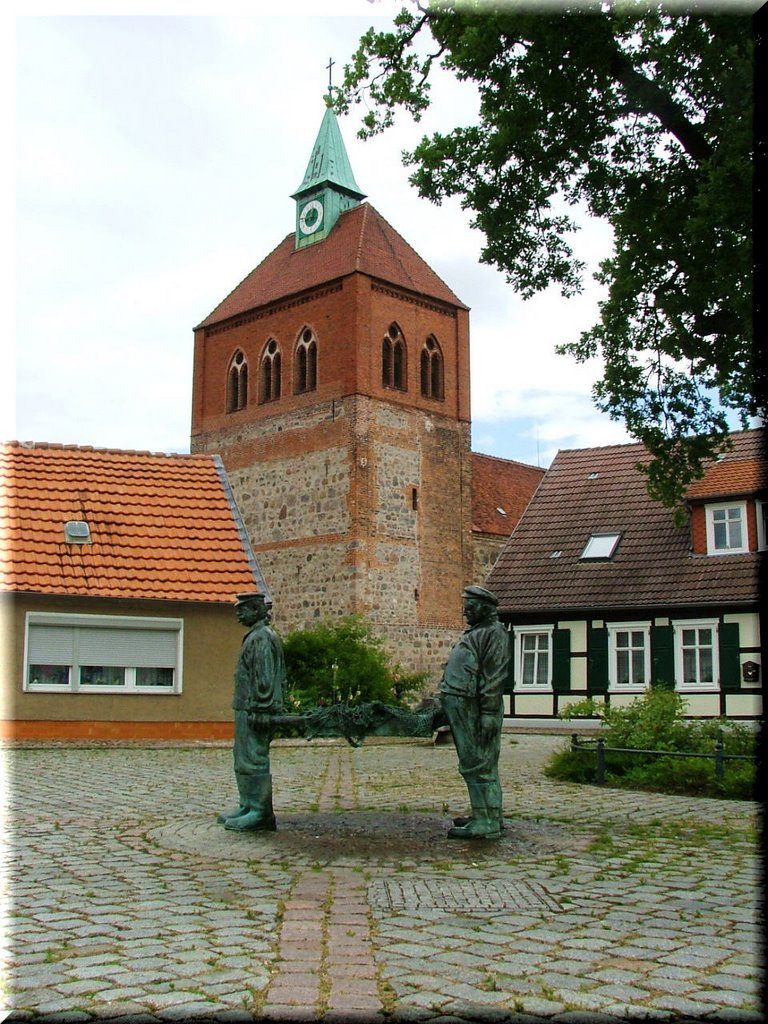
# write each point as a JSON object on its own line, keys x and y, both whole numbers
{"x": 329, "y": 65}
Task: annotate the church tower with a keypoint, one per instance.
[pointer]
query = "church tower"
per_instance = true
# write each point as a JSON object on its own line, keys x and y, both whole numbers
{"x": 334, "y": 383}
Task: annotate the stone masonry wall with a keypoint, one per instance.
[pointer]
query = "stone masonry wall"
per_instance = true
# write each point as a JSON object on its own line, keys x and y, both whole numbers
{"x": 486, "y": 550}
{"x": 356, "y": 496}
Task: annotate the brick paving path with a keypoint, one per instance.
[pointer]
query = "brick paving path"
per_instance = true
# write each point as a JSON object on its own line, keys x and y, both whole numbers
{"x": 127, "y": 901}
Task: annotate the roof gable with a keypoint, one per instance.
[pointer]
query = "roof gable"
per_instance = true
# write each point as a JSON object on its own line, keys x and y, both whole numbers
{"x": 163, "y": 527}
{"x": 600, "y": 491}
{"x": 361, "y": 242}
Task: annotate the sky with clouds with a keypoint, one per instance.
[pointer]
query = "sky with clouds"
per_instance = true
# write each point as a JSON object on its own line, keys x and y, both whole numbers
{"x": 156, "y": 156}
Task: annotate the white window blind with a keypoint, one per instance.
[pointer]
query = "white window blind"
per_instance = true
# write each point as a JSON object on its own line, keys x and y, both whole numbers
{"x": 148, "y": 648}
{"x": 135, "y": 653}
{"x": 51, "y": 645}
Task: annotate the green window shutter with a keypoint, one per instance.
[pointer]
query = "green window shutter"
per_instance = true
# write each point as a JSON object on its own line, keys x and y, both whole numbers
{"x": 597, "y": 661}
{"x": 561, "y": 660}
{"x": 730, "y": 661}
{"x": 509, "y": 683}
{"x": 663, "y": 657}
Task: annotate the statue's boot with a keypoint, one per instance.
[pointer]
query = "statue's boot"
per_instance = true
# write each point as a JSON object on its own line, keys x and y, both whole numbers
{"x": 484, "y": 822}
{"x": 259, "y": 815}
{"x": 233, "y": 812}
{"x": 494, "y": 807}
{"x": 241, "y": 808}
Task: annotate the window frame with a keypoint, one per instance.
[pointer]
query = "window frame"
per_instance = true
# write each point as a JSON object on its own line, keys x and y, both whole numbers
{"x": 77, "y": 621}
{"x": 305, "y": 362}
{"x": 394, "y": 360}
{"x": 721, "y": 506}
{"x": 614, "y": 628}
{"x": 520, "y": 633}
{"x": 432, "y": 370}
{"x": 679, "y": 626}
{"x": 237, "y": 382}
{"x": 594, "y": 540}
{"x": 761, "y": 512}
{"x": 271, "y": 372}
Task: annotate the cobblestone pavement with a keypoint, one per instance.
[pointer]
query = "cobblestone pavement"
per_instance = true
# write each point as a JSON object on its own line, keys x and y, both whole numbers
{"x": 127, "y": 900}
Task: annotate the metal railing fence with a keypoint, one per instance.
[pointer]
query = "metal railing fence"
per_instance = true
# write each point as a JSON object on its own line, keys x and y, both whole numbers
{"x": 599, "y": 749}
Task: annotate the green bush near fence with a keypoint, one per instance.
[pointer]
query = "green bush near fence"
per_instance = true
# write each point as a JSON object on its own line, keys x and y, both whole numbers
{"x": 655, "y": 721}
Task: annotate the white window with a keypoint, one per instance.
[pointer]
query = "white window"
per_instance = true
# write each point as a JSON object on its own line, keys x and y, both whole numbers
{"x": 762, "y": 525}
{"x": 696, "y": 656}
{"x": 727, "y": 528}
{"x": 629, "y": 649}
{"x": 533, "y": 658}
{"x": 102, "y": 654}
{"x": 601, "y": 546}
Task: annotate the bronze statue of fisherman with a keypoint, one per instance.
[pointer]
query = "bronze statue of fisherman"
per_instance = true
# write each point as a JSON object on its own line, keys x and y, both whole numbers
{"x": 471, "y": 697}
{"x": 470, "y": 700}
{"x": 260, "y": 687}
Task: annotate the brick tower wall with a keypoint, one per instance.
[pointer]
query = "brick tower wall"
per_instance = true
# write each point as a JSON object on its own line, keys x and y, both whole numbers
{"x": 328, "y": 497}
{"x": 356, "y": 497}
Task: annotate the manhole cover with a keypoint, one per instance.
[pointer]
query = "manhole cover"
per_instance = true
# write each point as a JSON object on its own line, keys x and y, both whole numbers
{"x": 489, "y": 895}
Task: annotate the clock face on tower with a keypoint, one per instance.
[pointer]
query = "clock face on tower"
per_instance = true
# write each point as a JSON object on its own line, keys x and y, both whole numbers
{"x": 311, "y": 217}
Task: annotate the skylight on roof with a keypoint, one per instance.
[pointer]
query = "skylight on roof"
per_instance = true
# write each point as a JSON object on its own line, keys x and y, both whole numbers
{"x": 76, "y": 531}
{"x": 601, "y": 546}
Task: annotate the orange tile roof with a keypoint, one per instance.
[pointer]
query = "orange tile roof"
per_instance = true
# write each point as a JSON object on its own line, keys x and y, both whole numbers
{"x": 360, "y": 242}
{"x": 731, "y": 478}
{"x": 501, "y": 490}
{"x": 163, "y": 527}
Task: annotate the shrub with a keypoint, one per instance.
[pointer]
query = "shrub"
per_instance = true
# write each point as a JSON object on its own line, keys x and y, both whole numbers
{"x": 652, "y": 722}
{"x": 342, "y": 662}
{"x": 589, "y": 708}
{"x": 655, "y": 721}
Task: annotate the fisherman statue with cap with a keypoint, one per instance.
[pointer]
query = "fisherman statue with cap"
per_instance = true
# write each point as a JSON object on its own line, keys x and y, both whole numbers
{"x": 260, "y": 686}
{"x": 471, "y": 697}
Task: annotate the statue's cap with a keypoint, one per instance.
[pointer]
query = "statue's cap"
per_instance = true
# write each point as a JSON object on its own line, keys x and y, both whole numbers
{"x": 481, "y": 594}
{"x": 250, "y": 598}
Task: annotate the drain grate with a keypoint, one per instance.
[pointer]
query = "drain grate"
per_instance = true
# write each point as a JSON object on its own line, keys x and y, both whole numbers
{"x": 481, "y": 897}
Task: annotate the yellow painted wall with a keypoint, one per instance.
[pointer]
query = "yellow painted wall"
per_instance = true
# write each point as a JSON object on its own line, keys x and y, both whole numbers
{"x": 701, "y": 705}
{"x": 534, "y": 704}
{"x": 212, "y": 637}
{"x": 744, "y": 705}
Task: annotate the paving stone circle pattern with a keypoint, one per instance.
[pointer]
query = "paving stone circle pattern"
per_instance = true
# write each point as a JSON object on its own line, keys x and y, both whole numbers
{"x": 125, "y": 900}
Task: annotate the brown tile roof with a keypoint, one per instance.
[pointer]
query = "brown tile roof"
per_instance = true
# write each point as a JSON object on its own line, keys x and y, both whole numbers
{"x": 501, "y": 490}
{"x": 599, "y": 490}
{"x": 360, "y": 242}
{"x": 162, "y": 526}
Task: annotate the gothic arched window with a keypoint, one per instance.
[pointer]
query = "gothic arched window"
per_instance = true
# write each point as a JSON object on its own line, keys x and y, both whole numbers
{"x": 305, "y": 363}
{"x": 393, "y": 360}
{"x": 237, "y": 383}
{"x": 432, "y": 384}
{"x": 271, "y": 363}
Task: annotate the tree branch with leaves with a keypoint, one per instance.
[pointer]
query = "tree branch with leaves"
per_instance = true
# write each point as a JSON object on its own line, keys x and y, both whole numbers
{"x": 643, "y": 118}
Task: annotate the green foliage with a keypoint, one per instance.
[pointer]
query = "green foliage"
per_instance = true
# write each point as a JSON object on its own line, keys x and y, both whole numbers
{"x": 640, "y": 114}
{"x": 589, "y": 708}
{"x": 342, "y": 662}
{"x": 655, "y": 721}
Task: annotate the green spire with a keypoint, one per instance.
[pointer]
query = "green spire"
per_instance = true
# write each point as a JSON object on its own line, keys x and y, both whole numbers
{"x": 328, "y": 187}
